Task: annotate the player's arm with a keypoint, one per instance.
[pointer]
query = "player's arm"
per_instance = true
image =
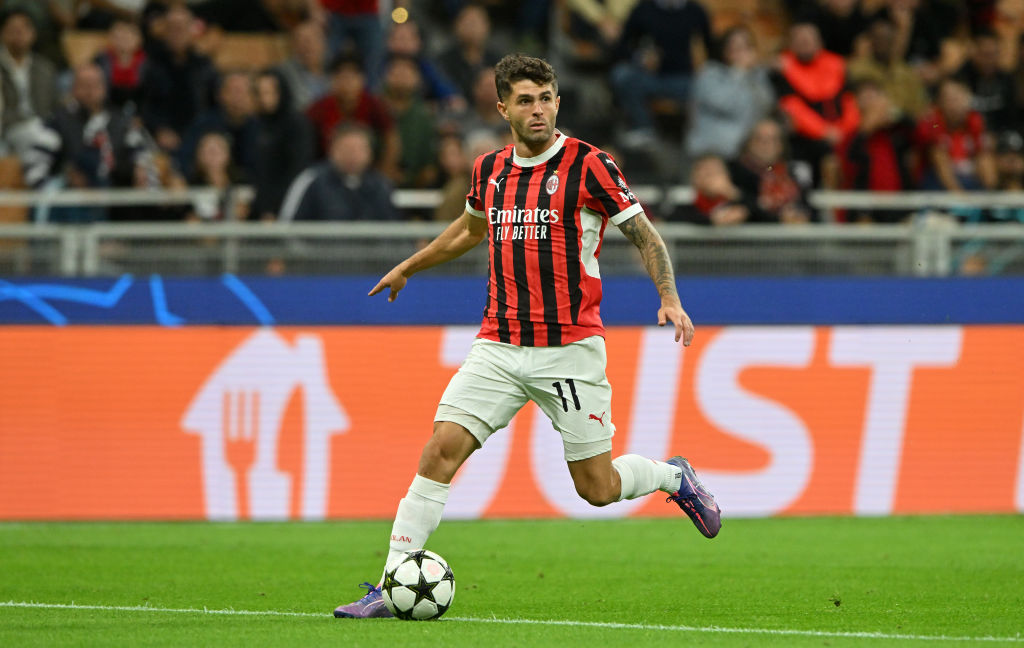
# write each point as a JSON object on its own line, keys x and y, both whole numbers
{"x": 458, "y": 238}
{"x": 639, "y": 230}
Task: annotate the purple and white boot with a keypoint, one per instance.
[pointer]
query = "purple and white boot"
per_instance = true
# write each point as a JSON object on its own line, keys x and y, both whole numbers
{"x": 370, "y": 606}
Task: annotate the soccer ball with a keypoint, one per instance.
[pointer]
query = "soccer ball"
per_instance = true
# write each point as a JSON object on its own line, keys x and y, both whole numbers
{"x": 418, "y": 586}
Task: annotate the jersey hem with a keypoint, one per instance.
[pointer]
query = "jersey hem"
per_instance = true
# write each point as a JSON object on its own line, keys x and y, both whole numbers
{"x": 570, "y": 333}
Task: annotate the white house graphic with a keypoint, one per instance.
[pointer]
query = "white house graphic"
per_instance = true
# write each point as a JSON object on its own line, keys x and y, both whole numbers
{"x": 238, "y": 414}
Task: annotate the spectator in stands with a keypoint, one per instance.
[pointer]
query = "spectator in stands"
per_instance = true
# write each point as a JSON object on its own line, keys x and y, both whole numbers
{"x": 101, "y": 14}
{"x": 234, "y": 117}
{"x": 305, "y": 70}
{"x": 455, "y": 168}
{"x": 152, "y": 170}
{"x": 1009, "y": 165}
{"x": 214, "y": 167}
{"x": 955, "y": 150}
{"x": 921, "y": 29}
{"x": 596, "y": 25}
{"x": 123, "y": 63}
{"x": 50, "y": 18}
{"x": 1009, "y": 169}
{"x": 350, "y": 101}
{"x": 483, "y": 114}
{"x": 880, "y": 65}
{"x": 417, "y": 126}
{"x": 767, "y": 188}
{"x": 655, "y": 60}
{"x": 812, "y": 90}
{"x": 1018, "y": 83}
{"x": 730, "y": 94}
{"x": 405, "y": 39}
{"x": 93, "y": 146}
{"x": 840, "y": 23}
{"x": 179, "y": 83}
{"x": 471, "y": 51}
{"x": 345, "y": 187}
{"x": 284, "y": 145}
{"x": 717, "y": 201}
{"x": 993, "y": 89}
{"x": 456, "y": 158}
{"x": 877, "y": 157}
{"x": 352, "y": 25}
{"x": 29, "y": 79}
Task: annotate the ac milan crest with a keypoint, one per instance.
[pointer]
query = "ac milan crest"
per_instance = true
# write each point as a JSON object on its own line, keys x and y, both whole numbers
{"x": 552, "y": 184}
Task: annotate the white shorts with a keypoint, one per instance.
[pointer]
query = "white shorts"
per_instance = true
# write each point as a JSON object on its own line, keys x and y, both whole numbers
{"x": 567, "y": 382}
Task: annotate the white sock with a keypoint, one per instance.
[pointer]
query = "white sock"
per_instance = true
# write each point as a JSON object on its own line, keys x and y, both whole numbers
{"x": 641, "y": 476}
{"x": 418, "y": 515}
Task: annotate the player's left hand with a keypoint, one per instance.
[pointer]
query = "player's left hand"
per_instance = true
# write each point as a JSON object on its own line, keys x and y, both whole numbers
{"x": 674, "y": 313}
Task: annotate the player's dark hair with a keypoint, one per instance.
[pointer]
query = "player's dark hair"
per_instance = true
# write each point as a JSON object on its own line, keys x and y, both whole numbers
{"x": 519, "y": 67}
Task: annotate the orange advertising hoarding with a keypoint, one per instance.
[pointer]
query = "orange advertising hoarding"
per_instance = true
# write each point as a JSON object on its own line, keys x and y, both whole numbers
{"x": 311, "y": 423}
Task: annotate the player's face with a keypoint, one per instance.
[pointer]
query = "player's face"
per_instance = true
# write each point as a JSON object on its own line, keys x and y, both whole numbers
{"x": 531, "y": 110}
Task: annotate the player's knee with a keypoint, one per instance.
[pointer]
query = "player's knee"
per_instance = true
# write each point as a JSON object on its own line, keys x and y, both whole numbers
{"x": 437, "y": 459}
{"x": 596, "y": 494}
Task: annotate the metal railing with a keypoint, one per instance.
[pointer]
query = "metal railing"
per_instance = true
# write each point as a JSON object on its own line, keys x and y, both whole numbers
{"x": 930, "y": 245}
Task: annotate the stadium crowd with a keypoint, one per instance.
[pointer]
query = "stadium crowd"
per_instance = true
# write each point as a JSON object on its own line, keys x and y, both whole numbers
{"x": 752, "y": 102}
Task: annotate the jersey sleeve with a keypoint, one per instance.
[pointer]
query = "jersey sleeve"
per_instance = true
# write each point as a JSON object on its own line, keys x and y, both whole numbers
{"x": 474, "y": 199}
{"x": 605, "y": 190}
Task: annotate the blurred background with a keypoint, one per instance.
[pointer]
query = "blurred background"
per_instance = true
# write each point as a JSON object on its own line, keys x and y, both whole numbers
{"x": 196, "y": 196}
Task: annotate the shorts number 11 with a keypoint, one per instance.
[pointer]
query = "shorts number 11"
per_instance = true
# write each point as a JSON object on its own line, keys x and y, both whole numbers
{"x": 572, "y": 391}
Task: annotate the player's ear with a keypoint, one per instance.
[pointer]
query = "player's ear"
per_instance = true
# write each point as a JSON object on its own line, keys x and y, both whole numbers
{"x": 503, "y": 110}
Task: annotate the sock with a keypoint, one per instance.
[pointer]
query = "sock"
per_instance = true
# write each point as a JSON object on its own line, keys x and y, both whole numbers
{"x": 418, "y": 515}
{"x": 641, "y": 476}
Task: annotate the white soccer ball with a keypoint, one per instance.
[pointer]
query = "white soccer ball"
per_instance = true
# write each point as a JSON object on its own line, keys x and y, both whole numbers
{"x": 418, "y": 586}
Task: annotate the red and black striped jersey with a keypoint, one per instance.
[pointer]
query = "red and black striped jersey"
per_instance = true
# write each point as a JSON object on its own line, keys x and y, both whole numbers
{"x": 546, "y": 218}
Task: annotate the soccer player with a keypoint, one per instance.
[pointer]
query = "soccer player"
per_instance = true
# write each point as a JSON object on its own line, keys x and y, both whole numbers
{"x": 543, "y": 202}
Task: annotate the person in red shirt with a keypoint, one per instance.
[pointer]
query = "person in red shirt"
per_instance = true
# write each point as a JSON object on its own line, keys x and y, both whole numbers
{"x": 123, "y": 62}
{"x": 877, "y": 157}
{"x": 350, "y": 101}
{"x": 812, "y": 90}
{"x": 543, "y": 203}
{"x": 956, "y": 151}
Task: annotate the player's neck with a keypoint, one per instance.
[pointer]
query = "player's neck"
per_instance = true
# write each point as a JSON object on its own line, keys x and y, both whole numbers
{"x": 528, "y": 150}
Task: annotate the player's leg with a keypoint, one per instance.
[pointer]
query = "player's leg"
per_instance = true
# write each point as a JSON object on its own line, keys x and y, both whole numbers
{"x": 480, "y": 399}
{"x": 580, "y": 409}
{"x": 600, "y": 480}
{"x": 419, "y": 512}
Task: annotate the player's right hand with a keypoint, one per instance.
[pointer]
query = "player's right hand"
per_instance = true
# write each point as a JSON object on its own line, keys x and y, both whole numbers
{"x": 394, "y": 280}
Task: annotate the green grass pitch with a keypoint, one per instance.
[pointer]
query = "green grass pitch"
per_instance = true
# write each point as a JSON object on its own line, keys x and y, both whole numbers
{"x": 903, "y": 581}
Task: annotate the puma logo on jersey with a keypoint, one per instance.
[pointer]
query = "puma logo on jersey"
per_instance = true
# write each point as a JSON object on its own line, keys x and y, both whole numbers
{"x": 599, "y": 419}
{"x": 496, "y": 183}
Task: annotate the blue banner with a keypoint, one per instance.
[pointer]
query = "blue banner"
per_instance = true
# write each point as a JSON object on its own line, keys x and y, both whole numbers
{"x": 231, "y": 300}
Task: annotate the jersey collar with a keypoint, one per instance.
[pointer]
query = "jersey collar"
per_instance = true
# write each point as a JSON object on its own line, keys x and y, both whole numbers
{"x": 543, "y": 157}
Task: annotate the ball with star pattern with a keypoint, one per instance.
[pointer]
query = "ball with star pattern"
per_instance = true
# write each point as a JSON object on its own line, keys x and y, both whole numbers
{"x": 418, "y": 586}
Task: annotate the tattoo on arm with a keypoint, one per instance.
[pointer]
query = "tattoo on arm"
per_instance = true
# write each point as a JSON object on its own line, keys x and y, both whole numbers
{"x": 653, "y": 251}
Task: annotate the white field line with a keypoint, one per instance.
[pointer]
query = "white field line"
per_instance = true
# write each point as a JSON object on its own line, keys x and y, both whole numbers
{"x": 882, "y": 636}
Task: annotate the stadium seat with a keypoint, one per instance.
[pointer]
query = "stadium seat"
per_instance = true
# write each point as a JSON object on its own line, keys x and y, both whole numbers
{"x": 10, "y": 178}
{"x": 248, "y": 51}
{"x": 81, "y": 46}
